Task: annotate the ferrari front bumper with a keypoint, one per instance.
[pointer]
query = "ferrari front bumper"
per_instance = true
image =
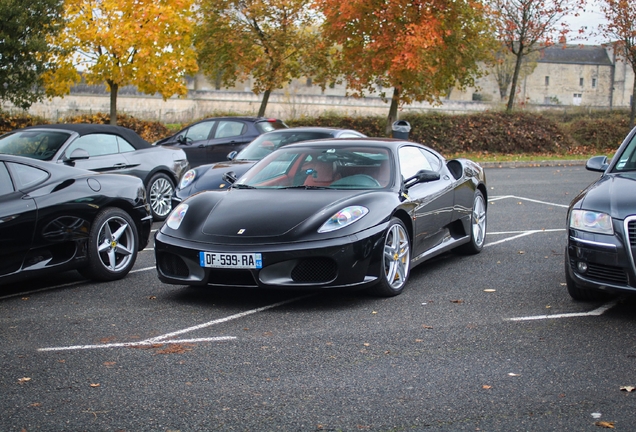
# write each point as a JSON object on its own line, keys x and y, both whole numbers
{"x": 345, "y": 262}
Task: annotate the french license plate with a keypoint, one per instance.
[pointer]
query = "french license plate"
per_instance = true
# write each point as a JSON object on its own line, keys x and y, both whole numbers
{"x": 231, "y": 260}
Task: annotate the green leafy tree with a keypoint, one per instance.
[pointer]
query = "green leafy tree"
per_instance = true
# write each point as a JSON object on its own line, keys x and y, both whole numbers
{"x": 145, "y": 43}
{"x": 418, "y": 48}
{"x": 270, "y": 41}
{"x": 526, "y": 26}
{"x": 24, "y": 54}
{"x": 621, "y": 30}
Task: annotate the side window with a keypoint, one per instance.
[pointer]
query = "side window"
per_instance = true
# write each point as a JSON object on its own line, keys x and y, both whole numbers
{"x": 124, "y": 146}
{"x": 228, "y": 128}
{"x": 6, "y": 185}
{"x": 95, "y": 145}
{"x": 26, "y": 175}
{"x": 412, "y": 160}
{"x": 200, "y": 131}
{"x": 436, "y": 164}
{"x": 627, "y": 160}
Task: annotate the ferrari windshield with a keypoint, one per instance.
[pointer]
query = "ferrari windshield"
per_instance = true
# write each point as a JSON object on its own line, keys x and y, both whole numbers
{"x": 309, "y": 167}
{"x": 36, "y": 144}
{"x": 267, "y": 143}
{"x": 627, "y": 159}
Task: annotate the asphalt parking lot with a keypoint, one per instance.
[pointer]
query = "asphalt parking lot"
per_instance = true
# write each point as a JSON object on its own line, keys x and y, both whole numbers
{"x": 491, "y": 342}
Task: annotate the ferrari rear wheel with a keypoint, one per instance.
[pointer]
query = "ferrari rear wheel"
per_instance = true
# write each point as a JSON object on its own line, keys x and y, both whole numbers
{"x": 396, "y": 261}
{"x": 160, "y": 190}
{"x": 477, "y": 227}
{"x": 112, "y": 246}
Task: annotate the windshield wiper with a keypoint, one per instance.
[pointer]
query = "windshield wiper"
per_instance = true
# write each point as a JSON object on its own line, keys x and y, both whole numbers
{"x": 242, "y": 186}
{"x": 305, "y": 187}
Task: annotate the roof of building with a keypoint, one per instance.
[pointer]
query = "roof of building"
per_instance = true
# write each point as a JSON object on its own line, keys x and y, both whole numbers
{"x": 575, "y": 54}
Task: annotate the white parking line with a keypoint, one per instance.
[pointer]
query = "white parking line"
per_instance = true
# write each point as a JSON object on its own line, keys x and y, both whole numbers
{"x": 498, "y": 198}
{"x": 162, "y": 339}
{"x": 521, "y": 234}
{"x": 596, "y": 312}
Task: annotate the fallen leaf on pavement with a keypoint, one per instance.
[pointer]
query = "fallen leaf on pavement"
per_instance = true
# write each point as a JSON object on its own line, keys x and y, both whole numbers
{"x": 605, "y": 424}
{"x": 486, "y": 387}
{"x": 457, "y": 301}
{"x": 23, "y": 380}
{"x": 489, "y": 290}
{"x": 95, "y": 385}
{"x": 628, "y": 388}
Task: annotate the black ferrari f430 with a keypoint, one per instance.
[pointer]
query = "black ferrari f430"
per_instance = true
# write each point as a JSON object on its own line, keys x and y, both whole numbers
{"x": 332, "y": 214}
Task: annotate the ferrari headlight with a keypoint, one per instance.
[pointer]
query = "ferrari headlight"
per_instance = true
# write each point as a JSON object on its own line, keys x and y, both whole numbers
{"x": 176, "y": 217}
{"x": 187, "y": 179}
{"x": 343, "y": 218}
{"x": 591, "y": 221}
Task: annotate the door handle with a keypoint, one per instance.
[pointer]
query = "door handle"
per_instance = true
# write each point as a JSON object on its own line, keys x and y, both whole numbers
{"x": 119, "y": 165}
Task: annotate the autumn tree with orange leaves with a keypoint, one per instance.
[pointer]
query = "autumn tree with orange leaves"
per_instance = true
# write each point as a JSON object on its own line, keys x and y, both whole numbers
{"x": 526, "y": 26}
{"x": 418, "y": 48}
{"x": 270, "y": 41}
{"x": 145, "y": 43}
{"x": 620, "y": 29}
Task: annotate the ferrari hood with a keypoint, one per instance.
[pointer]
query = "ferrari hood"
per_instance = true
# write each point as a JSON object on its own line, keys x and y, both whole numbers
{"x": 287, "y": 213}
{"x": 612, "y": 194}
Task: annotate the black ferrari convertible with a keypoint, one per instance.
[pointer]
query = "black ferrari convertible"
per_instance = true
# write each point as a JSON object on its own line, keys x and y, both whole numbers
{"x": 104, "y": 148}
{"x": 356, "y": 213}
{"x": 599, "y": 258}
{"x": 54, "y": 218}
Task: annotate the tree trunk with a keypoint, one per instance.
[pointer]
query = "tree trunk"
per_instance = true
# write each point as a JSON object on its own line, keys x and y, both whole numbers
{"x": 114, "y": 88}
{"x": 393, "y": 112}
{"x": 632, "y": 114}
{"x": 261, "y": 110}
{"x": 515, "y": 78}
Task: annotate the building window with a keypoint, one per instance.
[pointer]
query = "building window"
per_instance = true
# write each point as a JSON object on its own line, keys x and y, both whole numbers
{"x": 577, "y": 98}
{"x": 309, "y": 82}
{"x": 581, "y": 82}
{"x": 593, "y": 82}
{"x": 547, "y": 80}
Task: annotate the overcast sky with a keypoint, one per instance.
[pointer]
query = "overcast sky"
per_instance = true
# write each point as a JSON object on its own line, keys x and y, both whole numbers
{"x": 590, "y": 18}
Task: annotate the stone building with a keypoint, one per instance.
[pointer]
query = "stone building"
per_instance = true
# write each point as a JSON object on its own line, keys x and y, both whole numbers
{"x": 573, "y": 75}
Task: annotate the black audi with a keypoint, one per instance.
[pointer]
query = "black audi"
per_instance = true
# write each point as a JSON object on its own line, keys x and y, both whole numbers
{"x": 104, "y": 148}
{"x": 599, "y": 257}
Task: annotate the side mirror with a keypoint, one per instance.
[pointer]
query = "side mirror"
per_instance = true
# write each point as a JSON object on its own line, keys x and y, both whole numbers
{"x": 231, "y": 155}
{"x": 422, "y": 176}
{"x": 597, "y": 163}
{"x": 230, "y": 177}
{"x": 77, "y": 154}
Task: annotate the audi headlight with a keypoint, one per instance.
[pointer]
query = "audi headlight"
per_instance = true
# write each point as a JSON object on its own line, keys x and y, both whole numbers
{"x": 176, "y": 217}
{"x": 591, "y": 221}
{"x": 187, "y": 179}
{"x": 343, "y": 218}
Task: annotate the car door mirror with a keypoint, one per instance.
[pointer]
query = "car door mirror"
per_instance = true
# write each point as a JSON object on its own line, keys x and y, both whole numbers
{"x": 231, "y": 155}
{"x": 230, "y": 177}
{"x": 422, "y": 176}
{"x": 597, "y": 163}
{"x": 77, "y": 154}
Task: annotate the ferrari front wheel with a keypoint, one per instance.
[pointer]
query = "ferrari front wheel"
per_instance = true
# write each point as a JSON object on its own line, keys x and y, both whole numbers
{"x": 396, "y": 261}
{"x": 112, "y": 246}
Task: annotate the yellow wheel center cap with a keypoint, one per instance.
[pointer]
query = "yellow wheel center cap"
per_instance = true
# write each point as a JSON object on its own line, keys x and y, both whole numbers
{"x": 113, "y": 244}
